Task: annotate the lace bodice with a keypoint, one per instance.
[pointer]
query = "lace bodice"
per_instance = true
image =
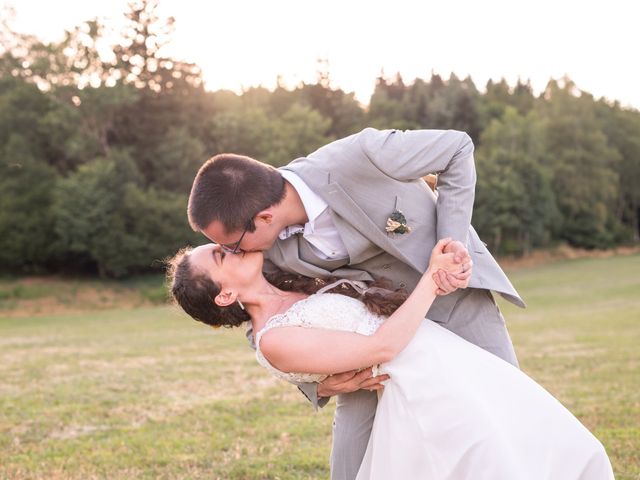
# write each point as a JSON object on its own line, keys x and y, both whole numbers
{"x": 320, "y": 310}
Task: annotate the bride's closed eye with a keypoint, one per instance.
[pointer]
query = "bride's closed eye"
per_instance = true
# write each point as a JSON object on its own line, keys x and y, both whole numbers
{"x": 219, "y": 260}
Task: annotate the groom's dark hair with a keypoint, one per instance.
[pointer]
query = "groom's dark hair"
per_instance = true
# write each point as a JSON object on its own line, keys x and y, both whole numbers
{"x": 232, "y": 189}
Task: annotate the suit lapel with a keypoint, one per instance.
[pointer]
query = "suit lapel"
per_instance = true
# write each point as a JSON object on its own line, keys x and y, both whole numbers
{"x": 344, "y": 206}
{"x": 359, "y": 247}
{"x": 286, "y": 253}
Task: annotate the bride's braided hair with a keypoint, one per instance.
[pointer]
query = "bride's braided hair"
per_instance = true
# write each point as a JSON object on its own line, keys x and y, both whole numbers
{"x": 195, "y": 292}
{"x": 380, "y": 298}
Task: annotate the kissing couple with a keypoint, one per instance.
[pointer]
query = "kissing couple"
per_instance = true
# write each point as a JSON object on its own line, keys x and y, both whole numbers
{"x": 358, "y": 281}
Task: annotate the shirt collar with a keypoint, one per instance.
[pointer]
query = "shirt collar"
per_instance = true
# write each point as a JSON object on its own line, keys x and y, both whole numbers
{"x": 312, "y": 203}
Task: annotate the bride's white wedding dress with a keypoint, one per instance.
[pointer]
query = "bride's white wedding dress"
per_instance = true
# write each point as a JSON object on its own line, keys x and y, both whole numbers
{"x": 452, "y": 410}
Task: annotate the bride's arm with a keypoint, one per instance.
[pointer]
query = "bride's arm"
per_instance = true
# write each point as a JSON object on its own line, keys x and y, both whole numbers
{"x": 316, "y": 350}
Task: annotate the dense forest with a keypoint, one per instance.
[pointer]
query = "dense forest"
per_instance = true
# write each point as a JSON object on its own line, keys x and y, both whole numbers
{"x": 101, "y": 135}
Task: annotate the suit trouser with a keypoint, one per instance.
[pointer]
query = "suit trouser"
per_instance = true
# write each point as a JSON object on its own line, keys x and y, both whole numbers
{"x": 476, "y": 318}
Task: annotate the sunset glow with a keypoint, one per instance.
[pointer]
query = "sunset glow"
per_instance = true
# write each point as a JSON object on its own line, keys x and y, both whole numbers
{"x": 247, "y": 43}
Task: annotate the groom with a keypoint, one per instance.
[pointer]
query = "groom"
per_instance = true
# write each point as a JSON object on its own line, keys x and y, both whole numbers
{"x": 358, "y": 208}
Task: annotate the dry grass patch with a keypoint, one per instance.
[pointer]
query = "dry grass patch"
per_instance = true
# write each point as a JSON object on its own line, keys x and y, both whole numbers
{"x": 146, "y": 393}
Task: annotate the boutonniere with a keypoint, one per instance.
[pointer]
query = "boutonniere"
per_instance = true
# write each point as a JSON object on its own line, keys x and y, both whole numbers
{"x": 397, "y": 223}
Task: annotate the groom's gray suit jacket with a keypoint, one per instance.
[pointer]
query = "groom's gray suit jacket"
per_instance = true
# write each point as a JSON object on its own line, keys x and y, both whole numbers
{"x": 364, "y": 178}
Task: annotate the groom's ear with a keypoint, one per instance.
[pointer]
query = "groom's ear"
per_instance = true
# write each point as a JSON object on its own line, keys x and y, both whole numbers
{"x": 265, "y": 216}
{"x": 225, "y": 298}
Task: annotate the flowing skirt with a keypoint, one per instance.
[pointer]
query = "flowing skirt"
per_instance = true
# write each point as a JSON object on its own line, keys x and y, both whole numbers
{"x": 452, "y": 411}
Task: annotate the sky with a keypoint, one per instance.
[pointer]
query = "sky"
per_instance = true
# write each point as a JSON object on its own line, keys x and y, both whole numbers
{"x": 244, "y": 43}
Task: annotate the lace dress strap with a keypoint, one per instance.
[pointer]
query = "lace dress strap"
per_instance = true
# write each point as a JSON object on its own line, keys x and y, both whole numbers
{"x": 358, "y": 285}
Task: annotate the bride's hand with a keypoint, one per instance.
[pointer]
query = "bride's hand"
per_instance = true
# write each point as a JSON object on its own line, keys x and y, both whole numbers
{"x": 443, "y": 261}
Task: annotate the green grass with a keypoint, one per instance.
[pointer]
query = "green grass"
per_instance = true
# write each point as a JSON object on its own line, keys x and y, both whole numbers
{"x": 580, "y": 338}
{"x": 147, "y": 393}
{"x": 37, "y": 295}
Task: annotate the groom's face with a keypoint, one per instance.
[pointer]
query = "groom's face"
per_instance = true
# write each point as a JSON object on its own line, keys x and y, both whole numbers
{"x": 262, "y": 238}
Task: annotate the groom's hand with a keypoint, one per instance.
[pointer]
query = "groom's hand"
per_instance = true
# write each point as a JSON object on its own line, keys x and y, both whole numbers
{"x": 348, "y": 382}
{"x": 450, "y": 282}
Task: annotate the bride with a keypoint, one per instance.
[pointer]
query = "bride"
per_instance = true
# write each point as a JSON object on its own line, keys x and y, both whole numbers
{"x": 450, "y": 410}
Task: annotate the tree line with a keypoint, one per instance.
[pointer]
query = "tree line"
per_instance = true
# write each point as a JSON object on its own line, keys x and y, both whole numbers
{"x": 101, "y": 135}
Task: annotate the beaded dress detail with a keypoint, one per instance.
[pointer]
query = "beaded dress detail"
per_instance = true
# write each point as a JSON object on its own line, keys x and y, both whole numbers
{"x": 321, "y": 310}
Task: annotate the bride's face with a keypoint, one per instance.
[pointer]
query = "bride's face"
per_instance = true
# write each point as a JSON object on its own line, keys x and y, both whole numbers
{"x": 231, "y": 271}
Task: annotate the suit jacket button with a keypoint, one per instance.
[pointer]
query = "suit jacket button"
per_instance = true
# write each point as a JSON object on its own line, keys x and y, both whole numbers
{"x": 402, "y": 284}
{"x": 386, "y": 266}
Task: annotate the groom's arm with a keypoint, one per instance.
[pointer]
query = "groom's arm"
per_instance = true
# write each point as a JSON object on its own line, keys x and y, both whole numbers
{"x": 320, "y": 393}
{"x": 410, "y": 155}
{"x": 413, "y": 154}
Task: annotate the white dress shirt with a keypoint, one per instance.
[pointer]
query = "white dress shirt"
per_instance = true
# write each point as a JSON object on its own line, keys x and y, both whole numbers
{"x": 319, "y": 231}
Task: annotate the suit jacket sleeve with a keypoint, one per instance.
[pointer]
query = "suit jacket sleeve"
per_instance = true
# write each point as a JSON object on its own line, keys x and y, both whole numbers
{"x": 310, "y": 390}
{"x": 410, "y": 155}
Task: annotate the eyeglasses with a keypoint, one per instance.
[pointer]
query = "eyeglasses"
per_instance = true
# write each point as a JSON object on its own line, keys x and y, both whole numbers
{"x": 234, "y": 248}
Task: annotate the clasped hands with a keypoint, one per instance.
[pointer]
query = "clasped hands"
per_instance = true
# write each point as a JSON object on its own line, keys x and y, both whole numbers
{"x": 450, "y": 282}
{"x": 348, "y": 382}
{"x": 446, "y": 282}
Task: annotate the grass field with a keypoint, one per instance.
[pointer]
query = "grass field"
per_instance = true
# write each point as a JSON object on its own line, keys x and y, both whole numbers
{"x": 144, "y": 392}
